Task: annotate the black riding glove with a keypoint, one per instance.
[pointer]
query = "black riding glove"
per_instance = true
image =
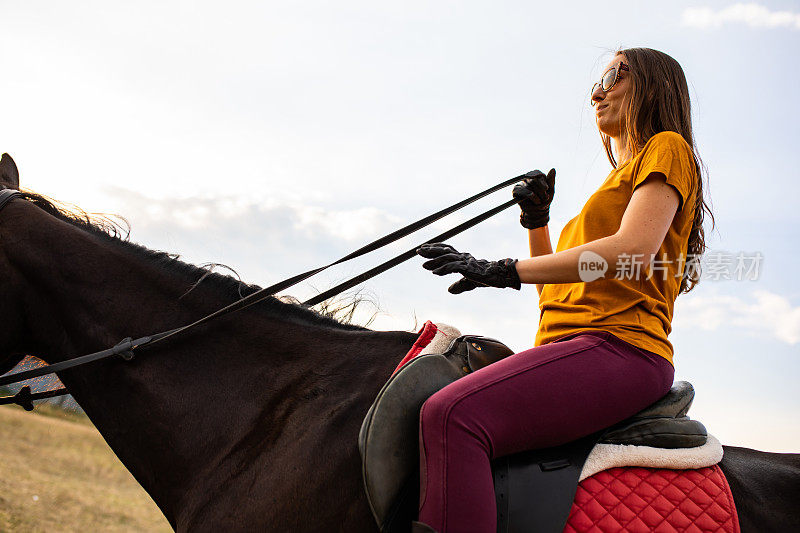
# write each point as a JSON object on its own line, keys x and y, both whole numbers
{"x": 444, "y": 259}
{"x": 536, "y": 194}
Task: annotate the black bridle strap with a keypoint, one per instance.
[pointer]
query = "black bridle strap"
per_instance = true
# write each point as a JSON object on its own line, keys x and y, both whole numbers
{"x": 6, "y": 195}
{"x": 125, "y": 348}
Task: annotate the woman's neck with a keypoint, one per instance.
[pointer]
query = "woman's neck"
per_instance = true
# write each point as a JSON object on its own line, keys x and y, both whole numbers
{"x": 621, "y": 148}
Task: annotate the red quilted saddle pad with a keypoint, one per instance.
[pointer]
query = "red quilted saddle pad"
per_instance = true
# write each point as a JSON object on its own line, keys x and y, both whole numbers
{"x": 634, "y": 499}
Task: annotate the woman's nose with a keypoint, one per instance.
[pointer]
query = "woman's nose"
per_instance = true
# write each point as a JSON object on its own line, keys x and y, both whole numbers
{"x": 598, "y": 95}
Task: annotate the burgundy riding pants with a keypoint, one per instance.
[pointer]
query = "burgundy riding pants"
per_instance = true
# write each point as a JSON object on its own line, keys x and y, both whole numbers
{"x": 542, "y": 397}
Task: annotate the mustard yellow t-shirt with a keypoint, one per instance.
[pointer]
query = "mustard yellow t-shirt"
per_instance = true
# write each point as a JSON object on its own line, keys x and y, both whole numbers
{"x": 632, "y": 307}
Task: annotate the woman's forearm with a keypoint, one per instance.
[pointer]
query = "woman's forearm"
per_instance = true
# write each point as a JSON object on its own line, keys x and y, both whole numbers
{"x": 562, "y": 267}
{"x": 539, "y": 243}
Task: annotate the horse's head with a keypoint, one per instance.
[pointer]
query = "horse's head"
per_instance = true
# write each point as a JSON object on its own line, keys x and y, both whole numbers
{"x": 10, "y": 316}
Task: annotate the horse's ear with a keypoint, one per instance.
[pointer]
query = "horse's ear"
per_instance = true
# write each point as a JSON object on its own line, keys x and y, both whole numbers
{"x": 9, "y": 175}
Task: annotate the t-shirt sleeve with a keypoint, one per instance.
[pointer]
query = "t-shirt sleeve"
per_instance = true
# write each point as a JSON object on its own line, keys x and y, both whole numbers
{"x": 669, "y": 154}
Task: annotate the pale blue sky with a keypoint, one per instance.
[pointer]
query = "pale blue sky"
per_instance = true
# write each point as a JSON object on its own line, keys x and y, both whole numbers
{"x": 275, "y": 137}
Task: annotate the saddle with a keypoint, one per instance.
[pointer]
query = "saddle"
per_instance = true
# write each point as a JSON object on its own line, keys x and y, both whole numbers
{"x": 535, "y": 489}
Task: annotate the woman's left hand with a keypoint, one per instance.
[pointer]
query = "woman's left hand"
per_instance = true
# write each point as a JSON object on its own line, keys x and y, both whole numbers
{"x": 444, "y": 259}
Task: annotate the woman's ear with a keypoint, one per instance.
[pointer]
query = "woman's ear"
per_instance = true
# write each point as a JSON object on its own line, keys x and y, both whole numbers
{"x": 9, "y": 175}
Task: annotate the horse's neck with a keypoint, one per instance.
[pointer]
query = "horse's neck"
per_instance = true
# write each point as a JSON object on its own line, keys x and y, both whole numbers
{"x": 180, "y": 416}
{"x": 83, "y": 293}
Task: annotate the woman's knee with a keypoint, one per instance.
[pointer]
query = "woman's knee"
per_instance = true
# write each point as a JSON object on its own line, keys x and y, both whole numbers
{"x": 443, "y": 407}
{"x": 447, "y": 409}
{"x": 435, "y": 408}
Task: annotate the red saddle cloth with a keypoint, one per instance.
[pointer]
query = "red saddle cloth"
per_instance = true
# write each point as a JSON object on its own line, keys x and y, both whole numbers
{"x": 634, "y": 499}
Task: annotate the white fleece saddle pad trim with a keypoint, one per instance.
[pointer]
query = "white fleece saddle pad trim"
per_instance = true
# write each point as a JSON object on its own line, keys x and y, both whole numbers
{"x": 606, "y": 456}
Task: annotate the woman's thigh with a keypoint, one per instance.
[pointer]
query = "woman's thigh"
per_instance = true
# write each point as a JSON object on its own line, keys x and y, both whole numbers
{"x": 549, "y": 395}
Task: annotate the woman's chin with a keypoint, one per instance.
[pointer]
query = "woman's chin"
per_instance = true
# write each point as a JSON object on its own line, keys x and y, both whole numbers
{"x": 607, "y": 129}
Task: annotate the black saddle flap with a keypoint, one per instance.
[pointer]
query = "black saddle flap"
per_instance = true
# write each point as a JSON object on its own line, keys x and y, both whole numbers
{"x": 389, "y": 435}
{"x": 534, "y": 490}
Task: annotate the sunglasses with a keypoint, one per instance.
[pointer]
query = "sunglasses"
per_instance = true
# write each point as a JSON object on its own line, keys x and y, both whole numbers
{"x": 607, "y": 81}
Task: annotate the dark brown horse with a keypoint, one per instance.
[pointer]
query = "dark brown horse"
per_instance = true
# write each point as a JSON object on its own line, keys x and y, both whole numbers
{"x": 250, "y": 422}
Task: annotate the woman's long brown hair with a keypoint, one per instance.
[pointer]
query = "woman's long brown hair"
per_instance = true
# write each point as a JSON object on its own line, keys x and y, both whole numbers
{"x": 659, "y": 101}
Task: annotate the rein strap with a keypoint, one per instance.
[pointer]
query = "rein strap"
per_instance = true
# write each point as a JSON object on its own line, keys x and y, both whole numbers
{"x": 126, "y": 347}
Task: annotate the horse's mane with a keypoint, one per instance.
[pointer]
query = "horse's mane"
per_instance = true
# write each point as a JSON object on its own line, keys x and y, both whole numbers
{"x": 110, "y": 230}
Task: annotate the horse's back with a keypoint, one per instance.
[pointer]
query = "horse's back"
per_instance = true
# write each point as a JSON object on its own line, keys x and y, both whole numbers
{"x": 765, "y": 487}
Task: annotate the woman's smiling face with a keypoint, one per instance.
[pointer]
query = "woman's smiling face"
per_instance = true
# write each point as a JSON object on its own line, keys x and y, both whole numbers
{"x": 609, "y": 107}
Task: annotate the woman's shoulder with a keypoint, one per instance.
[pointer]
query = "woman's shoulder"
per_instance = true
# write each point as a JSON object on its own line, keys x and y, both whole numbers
{"x": 664, "y": 145}
{"x": 669, "y": 138}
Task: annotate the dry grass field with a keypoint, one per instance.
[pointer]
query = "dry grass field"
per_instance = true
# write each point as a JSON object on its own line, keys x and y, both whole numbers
{"x": 57, "y": 474}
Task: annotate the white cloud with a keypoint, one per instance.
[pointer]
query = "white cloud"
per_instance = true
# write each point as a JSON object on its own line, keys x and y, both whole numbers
{"x": 766, "y": 313}
{"x": 752, "y": 14}
{"x": 350, "y": 225}
{"x": 199, "y": 213}
{"x": 264, "y": 240}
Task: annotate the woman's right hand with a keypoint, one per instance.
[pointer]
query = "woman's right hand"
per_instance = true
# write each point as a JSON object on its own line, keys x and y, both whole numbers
{"x": 535, "y": 194}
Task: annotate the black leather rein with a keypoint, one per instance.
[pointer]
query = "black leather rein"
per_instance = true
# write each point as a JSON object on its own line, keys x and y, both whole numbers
{"x": 127, "y": 346}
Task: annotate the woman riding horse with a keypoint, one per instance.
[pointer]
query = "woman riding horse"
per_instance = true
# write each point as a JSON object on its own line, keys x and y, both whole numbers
{"x": 606, "y": 296}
